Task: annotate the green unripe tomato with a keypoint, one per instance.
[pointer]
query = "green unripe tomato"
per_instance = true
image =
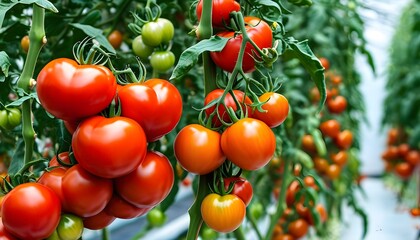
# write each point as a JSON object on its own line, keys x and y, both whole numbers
{"x": 208, "y": 233}
{"x": 54, "y": 236}
{"x": 162, "y": 61}
{"x": 167, "y": 29}
{"x": 156, "y": 218}
{"x": 140, "y": 49}
{"x": 3, "y": 119}
{"x": 152, "y": 34}
{"x": 10, "y": 118}
{"x": 257, "y": 210}
{"x": 70, "y": 227}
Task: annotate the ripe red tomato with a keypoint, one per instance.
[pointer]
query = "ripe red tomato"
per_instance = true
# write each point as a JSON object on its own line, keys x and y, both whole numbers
{"x": 223, "y": 213}
{"x": 72, "y": 92}
{"x": 333, "y": 171}
{"x": 308, "y": 143}
{"x": 277, "y": 108}
{"x": 320, "y": 164}
{"x": 109, "y": 147}
{"x": 98, "y": 221}
{"x": 257, "y": 30}
{"x": 229, "y": 102}
{"x": 31, "y": 211}
{"x": 403, "y": 149}
{"x": 198, "y": 150}
{"x": 330, "y": 128}
{"x": 298, "y": 228}
{"x": 413, "y": 157}
{"x": 85, "y": 194}
{"x": 53, "y": 179}
{"x": 220, "y": 11}
{"x": 115, "y": 39}
{"x": 325, "y": 62}
{"x": 155, "y": 104}
{"x": 344, "y": 139}
{"x": 340, "y": 158}
{"x": 120, "y": 208}
{"x": 153, "y": 180}
{"x": 4, "y": 234}
{"x": 241, "y": 188}
{"x": 63, "y": 157}
{"x": 249, "y": 143}
{"x": 337, "y": 105}
{"x": 404, "y": 170}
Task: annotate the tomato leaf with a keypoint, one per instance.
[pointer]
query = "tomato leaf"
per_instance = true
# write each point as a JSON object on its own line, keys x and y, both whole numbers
{"x": 4, "y": 65}
{"x": 4, "y": 7}
{"x": 270, "y": 10}
{"x": 95, "y": 33}
{"x": 189, "y": 57}
{"x": 311, "y": 63}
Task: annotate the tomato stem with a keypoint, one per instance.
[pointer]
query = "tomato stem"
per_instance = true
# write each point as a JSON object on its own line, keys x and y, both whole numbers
{"x": 37, "y": 40}
{"x": 239, "y": 233}
{"x": 105, "y": 234}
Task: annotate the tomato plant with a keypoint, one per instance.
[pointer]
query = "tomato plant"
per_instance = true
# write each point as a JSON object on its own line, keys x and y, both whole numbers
{"x": 276, "y": 107}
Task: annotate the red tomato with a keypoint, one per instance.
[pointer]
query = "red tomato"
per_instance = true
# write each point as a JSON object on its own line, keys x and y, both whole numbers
{"x": 85, "y": 194}
{"x": 120, "y": 208}
{"x": 71, "y": 126}
{"x": 344, "y": 139}
{"x": 241, "y": 188}
{"x": 109, "y": 147}
{"x": 98, "y": 221}
{"x": 152, "y": 181}
{"x": 340, "y": 158}
{"x": 229, "y": 101}
{"x": 4, "y": 234}
{"x": 220, "y": 11}
{"x": 308, "y": 143}
{"x": 404, "y": 170}
{"x": 330, "y": 128}
{"x": 31, "y": 211}
{"x": 325, "y": 63}
{"x": 337, "y": 105}
{"x": 277, "y": 108}
{"x": 333, "y": 171}
{"x": 223, "y": 213}
{"x": 63, "y": 157}
{"x": 198, "y": 150}
{"x": 249, "y": 143}
{"x": 298, "y": 228}
{"x": 53, "y": 179}
{"x": 71, "y": 92}
{"x": 155, "y": 104}
{"x": 413, "y": 157}
{"x": 257, "y": 30}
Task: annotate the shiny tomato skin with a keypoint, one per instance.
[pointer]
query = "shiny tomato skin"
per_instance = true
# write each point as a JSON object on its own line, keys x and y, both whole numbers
{"x": 120, "y": 208}
{"x": 169, "y": 109}
{"x": 277, "y": 108}
{"x": 339, "y": 158}
{"x": 298, "y": 228}
{"x": 404, "y": 170}
{"x": 229, "y": 101}
{"x": 249, "y": 143}
{"x": 344, "y": 139}
{"x": 72, "y": 92}
{"x": 330, "y": 128}
{"x": 85, "y": 194}
{"x": 31, "y": 211}
{"x": 258, "y": 30}
{"x": 198, "y": 150}
{"x": 53, "y": 180}
{"x": 337, "y": 104}
{"x": 241, "y": 188}
{"x": 153, "y": 180}
{"x": 4, "y": 234}
{"x": 109, "y": 147}
{"x": 223, "y": 213}
{"x": 220, "y": 11}
{"x": 98, "y": 221}
{"x": 63, "y": 157}
{"x": 115, "y": 38}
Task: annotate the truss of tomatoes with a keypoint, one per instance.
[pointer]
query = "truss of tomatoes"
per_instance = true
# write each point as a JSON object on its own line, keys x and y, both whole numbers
{"x": 115, "y": 176}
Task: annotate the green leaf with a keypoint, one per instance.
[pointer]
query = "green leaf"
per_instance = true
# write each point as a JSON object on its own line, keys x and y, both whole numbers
{"x": 311, "y": 63}
{"x": 19, "y": 101}
{"x": 17, "y": 162}
{"x": 4, "y": 65}
{"x": 95, "y": 33}
{"x": 189, "y": 57}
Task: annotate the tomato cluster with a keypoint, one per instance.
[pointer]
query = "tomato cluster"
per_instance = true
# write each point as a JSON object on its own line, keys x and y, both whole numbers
{"x": 109, "y": 172}
{"x": 149, "y": 45}
{"x": 399, "y": 157}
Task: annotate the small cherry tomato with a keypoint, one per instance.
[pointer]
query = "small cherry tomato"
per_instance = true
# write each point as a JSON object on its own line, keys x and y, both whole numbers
{"x": 277, "y": 108}
{"x": 156, "y": 217}
{"x": 70, "y": 227}
{"x": 241, "y": 188}
{"x": 162, "y": 61}
{"x": 140, "y": 49}
{"x": 116, "y": 39}
{"x": 330, "y": 128}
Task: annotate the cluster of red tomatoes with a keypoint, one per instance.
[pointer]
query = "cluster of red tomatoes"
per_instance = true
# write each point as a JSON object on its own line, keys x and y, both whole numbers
{"x": 298, "y": 217}
{"x": 399, "y": 157}
{"x": 109, "y": 173}
{"x": 148, "y": 45}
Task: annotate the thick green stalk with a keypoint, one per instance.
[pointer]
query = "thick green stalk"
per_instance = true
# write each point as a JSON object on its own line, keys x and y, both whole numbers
{"x": 281, "y": 204}
{"x": 37, "y": 40}
{"x": 205, "y": 31}
{"x": 239, "y": 234}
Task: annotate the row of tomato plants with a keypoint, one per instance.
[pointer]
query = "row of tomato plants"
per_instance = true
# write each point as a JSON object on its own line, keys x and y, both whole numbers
{"x": 245, "y": 65}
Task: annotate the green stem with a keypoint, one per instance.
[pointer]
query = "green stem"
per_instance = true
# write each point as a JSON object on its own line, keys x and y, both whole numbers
{"x": 37, "y": 40}
{"x": 105, "y": 234}
{"x": 254, "y": 224}
{"x": 239, "y": 233}
{"x": 195, "y": 210}
{"x": 281, "y": 204}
